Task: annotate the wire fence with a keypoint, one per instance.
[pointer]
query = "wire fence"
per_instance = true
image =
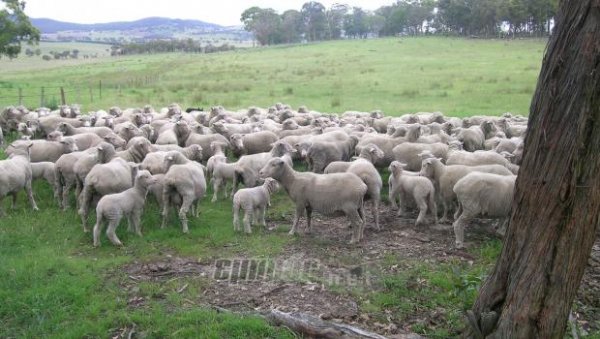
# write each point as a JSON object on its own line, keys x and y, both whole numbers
{"x": 52, "y": 95}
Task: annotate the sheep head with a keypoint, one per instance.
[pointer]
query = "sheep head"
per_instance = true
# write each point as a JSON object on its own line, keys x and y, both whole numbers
{"x": 274, "y": 169}
{"x": 237, "y": 142}
{"x": 196, "y": 152}
{"x": 172, "y": 158}
{"x": 105, "y": 152}
{"x": 271, "y": 185}
{"x": 115, "y": 111}
{"x": 428, "y": 167}
{"x": 115, "y": 140}
{"x": 281, "y": 148}
{"x": 372, "y": 152}
{"x": 69, "y": 145}
{"x": 54, "y": 136}
{"x": 144, "y": 179}
{"x": 396, "y": 168}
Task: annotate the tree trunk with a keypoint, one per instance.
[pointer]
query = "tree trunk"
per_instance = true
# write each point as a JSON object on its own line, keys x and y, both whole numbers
{"x": 556, "y": 205}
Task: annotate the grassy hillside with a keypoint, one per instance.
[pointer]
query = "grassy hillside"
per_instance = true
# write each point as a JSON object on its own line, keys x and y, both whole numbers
{"x": 456, "y": 76}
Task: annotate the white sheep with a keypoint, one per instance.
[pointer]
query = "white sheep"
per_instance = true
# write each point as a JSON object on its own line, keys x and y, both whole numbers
{"x": 323, "y": 193}
{"x": 444, "y": 177}
{"x": 363, "y": 167}
{"x": 42, "y": 150}
{"x": 482, "y": 194}
{"x": 416, "y": 188}
{"x": 222, "y": 173}
{"x": 154, "y": 161}
{"x": 184, "y": 185}
{"x": 129, "y": 203}
{"x": 254, "y": 202}
{"x": 15, "y": 175}
{"x": 43, "y": 170}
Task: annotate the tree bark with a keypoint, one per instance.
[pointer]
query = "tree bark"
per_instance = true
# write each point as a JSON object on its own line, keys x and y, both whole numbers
{"x": 555, "y": 211}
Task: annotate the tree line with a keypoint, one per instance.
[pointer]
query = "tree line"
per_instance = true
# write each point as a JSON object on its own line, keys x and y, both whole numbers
{"x": 167, "y": 46}
{"x": 482, "y": 18}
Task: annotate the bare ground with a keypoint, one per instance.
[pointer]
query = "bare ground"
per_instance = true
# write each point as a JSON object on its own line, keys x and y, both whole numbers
{"x": 320, "y": 273}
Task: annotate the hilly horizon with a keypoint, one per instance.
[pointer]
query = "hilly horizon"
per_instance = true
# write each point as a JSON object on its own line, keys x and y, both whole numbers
{"x": 142, "y": 30}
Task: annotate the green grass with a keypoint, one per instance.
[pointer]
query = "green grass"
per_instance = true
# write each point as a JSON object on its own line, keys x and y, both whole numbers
{"x": 456, "y": 76}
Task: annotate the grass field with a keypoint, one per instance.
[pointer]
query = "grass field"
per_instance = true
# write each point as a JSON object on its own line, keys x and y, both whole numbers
{"x": 456, "y": 76}
{"x": 53, "y": 283}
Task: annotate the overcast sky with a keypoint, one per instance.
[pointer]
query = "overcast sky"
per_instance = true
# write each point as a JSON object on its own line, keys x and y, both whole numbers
{"x": 222, "y": 12}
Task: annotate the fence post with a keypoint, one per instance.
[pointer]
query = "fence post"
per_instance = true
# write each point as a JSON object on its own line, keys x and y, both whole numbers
{"x": 62, "y": 96}
{"x": 20, "y": 96}
{"x": 42, "y": 99}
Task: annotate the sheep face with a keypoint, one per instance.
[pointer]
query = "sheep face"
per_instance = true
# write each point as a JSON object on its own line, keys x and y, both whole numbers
{"x": 115, "y": 140}
{"x": 115, "y": 111}
{"x": 105, "y": 152}
{"x": 144, "y": 179}
{"x": 237, "y": 142}
{"x": 64, "y": 111}
{"x": 274, "y": 169}
{"x": 196, "y": 153}
{"x": 426, "y": 168}
{"x": 281, "y": 148}
{"x": 54, "y": 136}
{"x": 69, "y": 145}
{"x": 396, "y": 168}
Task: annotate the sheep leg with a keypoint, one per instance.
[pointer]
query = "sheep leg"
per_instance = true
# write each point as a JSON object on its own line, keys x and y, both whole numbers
{"x": 166, "y": 204}
{"x": 459, "y": 229}
{"x": 14, "y": 200}
{"x": 196, "y": 208}
{"x": 65, "y": 195}
{"x": 299, "y": 213}
{"x": 30, "y": 195}
{"x": 216, "y": 185}
{"x": 433, "y": 208}
{"x": 236, "y": 217}
{"x": 392, "y": 195}
{"x": 422, "y": 204}
{"x": 376, "y": 212}
{"x": 110, "y": 232}
{"x": 248, "y": 215}
{"x": 136, "y": 218}
{"x": 356, "y": 224}
{"x": 185, "y": 207}
{"x": 308, "y": 220}
{"x": 97, "y": 229}
{"x": 84, "y": 204}
{"x": 458, "y": 212}
{"x": 262, "y": 212}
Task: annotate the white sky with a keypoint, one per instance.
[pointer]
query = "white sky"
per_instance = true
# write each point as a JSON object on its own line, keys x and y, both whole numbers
{"x": 222, "y": 12}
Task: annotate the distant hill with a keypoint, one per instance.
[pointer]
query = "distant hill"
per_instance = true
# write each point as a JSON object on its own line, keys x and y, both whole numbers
{"x": 138, "y": 30}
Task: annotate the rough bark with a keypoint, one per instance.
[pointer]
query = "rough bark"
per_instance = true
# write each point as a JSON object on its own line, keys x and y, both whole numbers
{"x": 556, "y": 207}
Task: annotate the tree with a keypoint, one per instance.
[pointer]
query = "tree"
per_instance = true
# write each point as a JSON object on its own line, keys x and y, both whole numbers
{"x": 291, "y": 26}
{"x": 15, "y": 28}
{"x": 264, "y": 23}
{"x": 335, "y": 20}
{"x": 556, "y": 206}
{"x": 315, "y": 21}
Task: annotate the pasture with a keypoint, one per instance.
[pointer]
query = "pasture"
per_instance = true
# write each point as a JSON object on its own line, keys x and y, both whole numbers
{"x": 54, "y": 283}
{"x": 397, "y": 75}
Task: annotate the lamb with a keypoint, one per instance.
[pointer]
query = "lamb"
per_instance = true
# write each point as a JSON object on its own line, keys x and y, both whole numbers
{"x": 482, "y": 194}
{"x": 154, "y": 162}
{"x": 254, "y": 202}
{"x": 15, "y": 175}
{"x": 363, "y": 167}
{"x": 218, "y": 150}
{"x": 419, "y": 189}
{"x": 444, "y": 178}
{"x": 252, "y": 143}
{"x": 137, "y": 151}
{"x": 473, "y": 138}
{"x": 129, "y": 203}
{"x": 42, "y": 150}
{"x": 409, "y": 153}
{"x": 184, "y": 185}
{"x": 323, "y": 193}
{"x": 43, "y": 170}
{"x": 105, "y": 152}
{"x": 112, "y": 177}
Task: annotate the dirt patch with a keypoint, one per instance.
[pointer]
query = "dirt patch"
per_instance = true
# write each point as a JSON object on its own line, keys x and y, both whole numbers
{"x": 317, "y": 273}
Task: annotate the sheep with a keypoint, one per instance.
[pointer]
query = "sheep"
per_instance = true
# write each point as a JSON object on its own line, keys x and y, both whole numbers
{"x": 112, "y": 177}
{"x": 321, "y": 153}
{"x": 387, "y": 143}
{"x": 222, "y": 172}
{"x": 137, "y": 151}
{"x": 473, "y": 138}
{"x": 247, "y": 166}
{"x": 323, "y": 193}
{"x": 129, "y": 203}
{"x": 252, "y": 143}
{"x": 254, "y": 202}
{"x": 457, "y": 157}
{"x": 204, "y": 141}
{"x": 409, "y": 153}
{"x": 363, "y": 167}
{"x": 84, "y": 164}
{"x": 184, "y": 185}
{"x": 445, "y": 177}
{"x": 68, "y": 129}
{"x": 24, "y": 131}
{"x": 218, "y": 150}
{"x": 43, "y": 170}
{"x": 154, "y": 162}
{"x": 65, "y": 176}
{"x": 42, "y": 150}
{"x": 508, "y": 145}
{"x": 50, "y": 123}
{"x": 83, "y": 140}
{"x": 420, "y": 189}
{"x": 511, "y": 129}
{"x": 115, "y": 140}
{"x": 127, "y": 130}
{"x": 15, "y": 175}
{"x": 482, "y": 194}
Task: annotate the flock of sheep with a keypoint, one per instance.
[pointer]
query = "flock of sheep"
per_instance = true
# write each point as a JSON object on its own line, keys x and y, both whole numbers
{"x": 114, "y": 159}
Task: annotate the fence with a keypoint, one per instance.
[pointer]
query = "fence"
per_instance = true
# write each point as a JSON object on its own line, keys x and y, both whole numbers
{"x": 52, "y": 95}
